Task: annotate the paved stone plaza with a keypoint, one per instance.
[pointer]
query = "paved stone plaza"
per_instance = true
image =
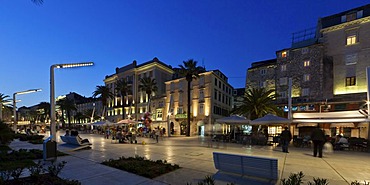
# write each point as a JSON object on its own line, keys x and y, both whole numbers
{"x": 194, "y": 155}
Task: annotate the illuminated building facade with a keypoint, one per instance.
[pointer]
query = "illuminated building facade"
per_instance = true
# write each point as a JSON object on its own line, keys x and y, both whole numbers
{"x": 136, "y": 101}
{"x": 327, "y": 67}
{"x": 211, "y": 98}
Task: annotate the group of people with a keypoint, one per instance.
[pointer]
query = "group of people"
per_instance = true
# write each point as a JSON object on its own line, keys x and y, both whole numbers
{"x": 318, "y": 138}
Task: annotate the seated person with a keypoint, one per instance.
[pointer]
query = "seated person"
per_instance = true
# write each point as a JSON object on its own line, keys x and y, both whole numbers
{"x": 341, "y": 143}
{"x": 67, "y": 133}
{"x": 83, "y": 141}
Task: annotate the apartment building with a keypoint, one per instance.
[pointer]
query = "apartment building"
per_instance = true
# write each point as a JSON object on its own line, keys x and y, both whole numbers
{"x": 327, "y": 67}
{"x": 136, "y": 101}
{"x": 211, "y": 98}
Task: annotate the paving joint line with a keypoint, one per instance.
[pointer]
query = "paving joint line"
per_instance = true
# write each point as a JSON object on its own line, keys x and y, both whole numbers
{"x": 335, "y": 170}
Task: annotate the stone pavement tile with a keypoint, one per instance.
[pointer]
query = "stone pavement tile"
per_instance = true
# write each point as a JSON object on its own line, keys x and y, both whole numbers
{"x": 118, "y": 179}
{"x": 182, "y": 176}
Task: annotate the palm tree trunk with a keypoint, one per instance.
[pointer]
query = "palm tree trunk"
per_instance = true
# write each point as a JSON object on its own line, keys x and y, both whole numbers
{"x": 69, "y": 119}
{"x": 188, "y": 127}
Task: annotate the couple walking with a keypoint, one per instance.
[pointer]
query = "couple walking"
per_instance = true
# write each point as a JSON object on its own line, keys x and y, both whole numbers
{"x": 317, "y": 137}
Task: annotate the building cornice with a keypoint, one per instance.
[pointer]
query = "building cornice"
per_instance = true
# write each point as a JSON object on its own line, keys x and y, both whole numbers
{"x": 346, "y": 24}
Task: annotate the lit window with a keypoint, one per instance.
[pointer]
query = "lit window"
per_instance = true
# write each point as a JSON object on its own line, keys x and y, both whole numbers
{"x": 350, "y": 81}
{"x": 159, "y": 113}
{"x": 201, "y": 95}
{"x": 351, "y": 17}
{"x": 305, "y": 91}
{"x": 351, "y": 40}
{"x": 201, "y": 109}
{"x": 180, "y": 98}
{"x": 306, "y": 77}
{"x": 263, "y": 71}
{"x": 306, "y": 63}
{"x": 283, "y": 67}
{"x": 283, "y": 54}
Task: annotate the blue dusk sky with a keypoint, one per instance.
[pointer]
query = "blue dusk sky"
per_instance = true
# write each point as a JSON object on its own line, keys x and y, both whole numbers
{"x": 220, "y": 34}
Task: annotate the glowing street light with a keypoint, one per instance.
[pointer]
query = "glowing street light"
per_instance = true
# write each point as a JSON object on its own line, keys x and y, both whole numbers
{"x": 15, "y": 106}
{"x": 52, "y": 92}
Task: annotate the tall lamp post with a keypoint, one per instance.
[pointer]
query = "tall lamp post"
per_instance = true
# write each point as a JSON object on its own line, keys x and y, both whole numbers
{"x": 15, "y": 106}
{"x": 52, "y": 92}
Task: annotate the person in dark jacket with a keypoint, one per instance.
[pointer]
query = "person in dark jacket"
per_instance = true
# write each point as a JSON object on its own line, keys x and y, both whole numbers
{"x": 285, "y": 138}
{"x": 318, "y": 139}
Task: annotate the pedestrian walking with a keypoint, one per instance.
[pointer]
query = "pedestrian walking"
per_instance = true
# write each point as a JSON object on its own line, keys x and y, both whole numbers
{"x": 285, "y": 139}
{"x": 157, "y": 132}
{"x": 318, "y": 139}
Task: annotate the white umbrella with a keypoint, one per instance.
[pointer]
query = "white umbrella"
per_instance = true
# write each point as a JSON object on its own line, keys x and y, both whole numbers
{"x": 234, "y": 120}
{"x": 126, "y": 121}
{"x": 270, "y": 119}
{"x": 237, "y": 120}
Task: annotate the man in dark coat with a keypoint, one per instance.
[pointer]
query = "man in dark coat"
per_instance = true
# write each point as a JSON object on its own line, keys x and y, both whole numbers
{"x": 285, "y": 138}
{"x": 318, "y": 139}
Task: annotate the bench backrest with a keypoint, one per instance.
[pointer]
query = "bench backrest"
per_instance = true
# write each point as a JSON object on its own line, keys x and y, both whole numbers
{"x": 246, "y": 165}
{"x": 71, "y": 140}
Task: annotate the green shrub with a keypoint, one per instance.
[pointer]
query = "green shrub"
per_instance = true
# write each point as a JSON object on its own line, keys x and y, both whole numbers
{"x": 141, "y": 166}
{"x": 6, "y": 134}
{"x": 319, "y": 181}
{"x": 294, "y": 179}
{"x": 55, "y": 168}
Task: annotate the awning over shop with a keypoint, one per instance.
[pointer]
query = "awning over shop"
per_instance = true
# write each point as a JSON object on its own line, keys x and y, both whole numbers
{"x": 350, "y": 125}
{"x": 330, "y": 117}
{"x": 363, "y": 124}
{"x": 233, "y": 120}
{"x": 307, "y": 125}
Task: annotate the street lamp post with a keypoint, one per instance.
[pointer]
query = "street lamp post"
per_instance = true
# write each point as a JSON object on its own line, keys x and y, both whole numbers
{"x": 52, "y": 92}
{"x": 15, "y": 106}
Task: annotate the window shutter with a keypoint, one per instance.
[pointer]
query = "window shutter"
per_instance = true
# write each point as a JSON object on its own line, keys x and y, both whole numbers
{"x": 343, "y": 18}
{"x": 359, "y": 14}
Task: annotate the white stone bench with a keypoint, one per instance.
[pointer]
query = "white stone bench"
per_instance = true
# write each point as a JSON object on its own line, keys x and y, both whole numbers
{"x": 241, "y": 169}
{"x": 76, "y": 140}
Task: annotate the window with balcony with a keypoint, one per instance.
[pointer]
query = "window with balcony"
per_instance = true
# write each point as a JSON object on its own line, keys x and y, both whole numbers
{"x": 201, "y": 81}
{"x": 351, "y": 81}
{"x": 180, "y": 110}
{"x": 201, "y": 95}
{"x": 306, "y": 63}
{"x": 201, "y": 109}
{"x": 159, "y": 113}
{"x": 351, "y": 39}
{"x": 181, "y": 98}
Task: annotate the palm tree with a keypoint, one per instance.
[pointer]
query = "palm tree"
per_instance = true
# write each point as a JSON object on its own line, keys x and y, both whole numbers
{"x": 38, "y": 2}
{"x": 122, "y": 89}
{"x": 3, "y": 99}
{"x": 67, "y": 105}
{"x": 257, "y": 103}
{"x": 60, "y": 103}
{"x": 148, "y": 85}
{"x": 44, "y": 114}
{"x": 79, "y": 116}
{"x": 104, "y": 93}
{"x": 190, "y": 71}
